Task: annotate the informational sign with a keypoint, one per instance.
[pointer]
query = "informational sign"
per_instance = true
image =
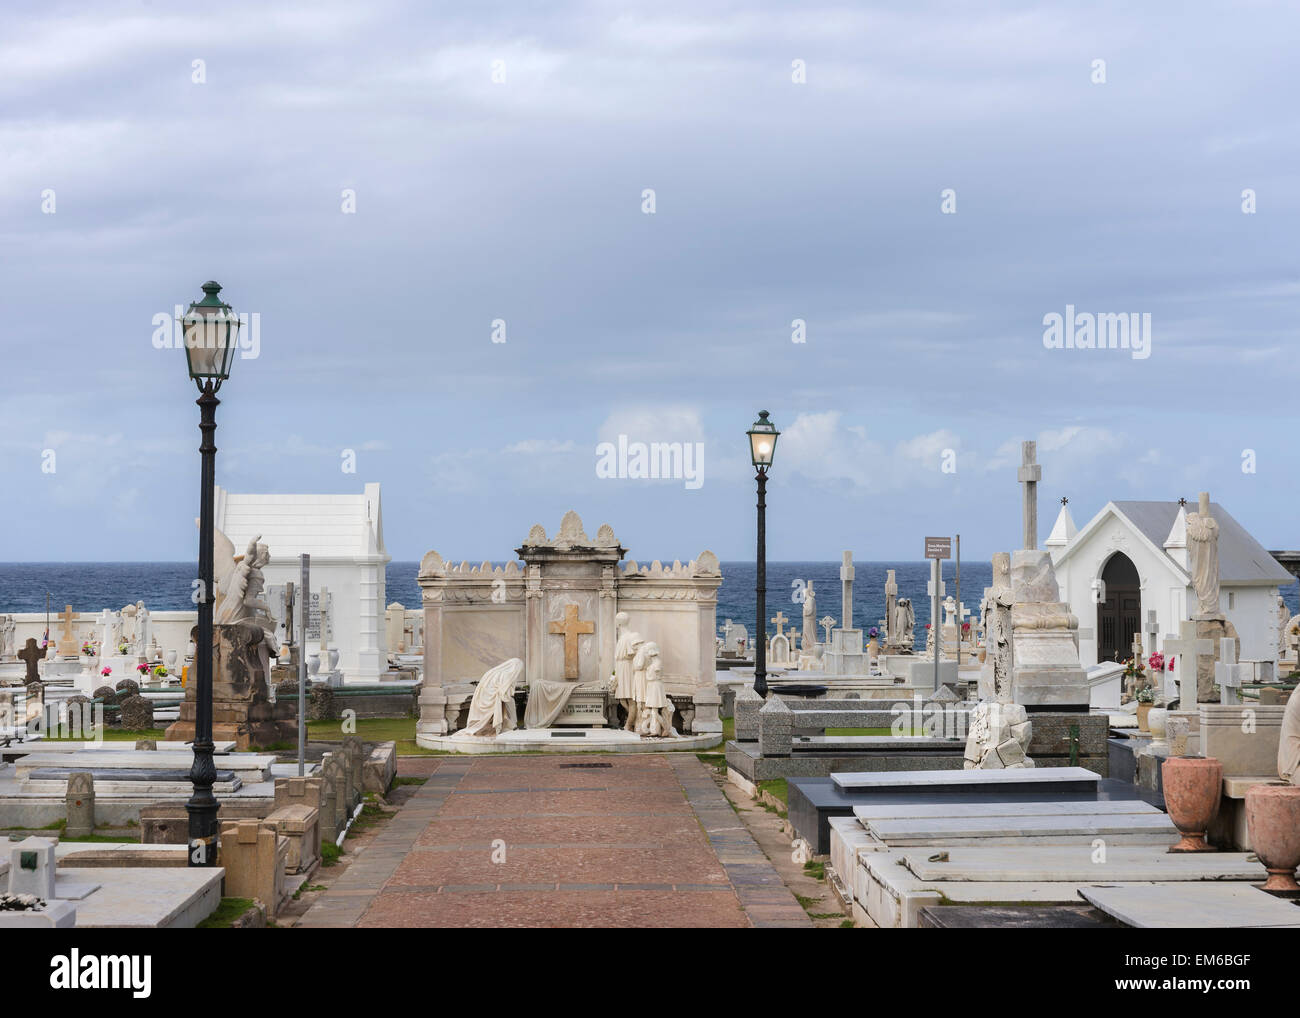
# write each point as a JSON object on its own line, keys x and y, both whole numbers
{"x": 938, "y": 547}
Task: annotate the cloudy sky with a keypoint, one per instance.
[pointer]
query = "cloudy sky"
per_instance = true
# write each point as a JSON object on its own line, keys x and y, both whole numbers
{"x": 382, "y": 182}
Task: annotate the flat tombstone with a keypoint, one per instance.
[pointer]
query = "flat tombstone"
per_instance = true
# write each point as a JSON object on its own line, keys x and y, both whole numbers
{"x": 80, "y": 805}
{"x": 146, "y": 745}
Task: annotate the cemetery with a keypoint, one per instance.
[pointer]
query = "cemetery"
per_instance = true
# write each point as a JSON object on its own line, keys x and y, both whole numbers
{"x": 469, "y": 607}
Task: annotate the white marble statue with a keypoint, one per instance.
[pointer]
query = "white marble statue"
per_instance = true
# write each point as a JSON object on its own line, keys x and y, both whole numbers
{"x": 1288, "y": 745}
{"x": 239, "y": 582}
{"x": 654, "y": 709}
{"x": 625, "y": 651}
{"x": 492, "y": 709}
{"x": 1203, "y": 550}
{"x": 7, "y": 629}
{"x": 905, "y": 624}
{"x": 809, "y": 618}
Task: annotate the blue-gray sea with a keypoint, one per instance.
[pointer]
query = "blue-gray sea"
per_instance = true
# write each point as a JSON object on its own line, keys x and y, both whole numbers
{"x": 92, "y": 586}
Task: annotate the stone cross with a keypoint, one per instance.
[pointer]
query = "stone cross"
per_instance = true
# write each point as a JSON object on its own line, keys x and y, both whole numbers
{"x": 846, "y": 591}
{"x": 1137, "y": 648}
{"x": 827, "y": 623}
{"x": 67, "y": 639}
{"x": 31, "y": 654}
{"x": 1030, "y": 474}
{"x": 571, "y": 629}
{"x": 1229, "y": 674}
{"x": 1183, "y": 649}
{"x": 779, "y": 620}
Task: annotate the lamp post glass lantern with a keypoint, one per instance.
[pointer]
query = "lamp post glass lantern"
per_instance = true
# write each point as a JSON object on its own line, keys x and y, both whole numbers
{"x": 762, "y": 445}
{"x": 211, "y": 333}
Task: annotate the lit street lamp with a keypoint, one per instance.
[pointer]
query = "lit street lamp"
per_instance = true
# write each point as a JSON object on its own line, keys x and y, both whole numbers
{"x": 211, "y": 334}
{"x": 762, "y": 444}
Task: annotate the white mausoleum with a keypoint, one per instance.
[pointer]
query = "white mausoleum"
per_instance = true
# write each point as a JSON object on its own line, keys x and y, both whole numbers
{"x": 1131, "y": 558}
{"x": 344, "y": 535}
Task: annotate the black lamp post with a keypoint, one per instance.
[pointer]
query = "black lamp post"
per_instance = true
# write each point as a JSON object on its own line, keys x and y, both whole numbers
{"x": 762, "y": 443}
{"x": 211, "y": 334}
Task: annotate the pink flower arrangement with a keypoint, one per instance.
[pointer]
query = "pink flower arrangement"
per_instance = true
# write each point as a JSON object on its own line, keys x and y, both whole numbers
{"x": 106, "y": 671}
{"x": 141, "y": 668}
{"x": 1157, "y": 662}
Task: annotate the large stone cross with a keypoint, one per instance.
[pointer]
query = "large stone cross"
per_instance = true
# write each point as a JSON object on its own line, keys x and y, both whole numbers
{"x": 779, "y": 620}
{"x": 31, "y": 654}
{"x": 67, "y": 639}
{"x": 571, "y": 629}
{"x": 827, "y": 623}
{"x": 1183, "y": 650}
{"x": 1030, "y": 474}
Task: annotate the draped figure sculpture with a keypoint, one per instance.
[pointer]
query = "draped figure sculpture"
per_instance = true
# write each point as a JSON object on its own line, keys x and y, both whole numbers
{"x": 492, "y": 710}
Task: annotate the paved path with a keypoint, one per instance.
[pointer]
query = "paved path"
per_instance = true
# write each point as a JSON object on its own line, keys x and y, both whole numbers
{"x": 587, "y": 841}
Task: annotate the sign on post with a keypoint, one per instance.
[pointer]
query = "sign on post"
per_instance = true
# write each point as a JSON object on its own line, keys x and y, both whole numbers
{"x": 938, "y": 547}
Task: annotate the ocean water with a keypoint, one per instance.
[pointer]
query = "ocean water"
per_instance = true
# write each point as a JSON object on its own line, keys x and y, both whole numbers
{"x": 92, "y": 586}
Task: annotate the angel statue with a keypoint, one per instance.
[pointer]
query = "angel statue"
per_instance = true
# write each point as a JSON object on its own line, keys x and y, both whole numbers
{"x": 238, "y": 581}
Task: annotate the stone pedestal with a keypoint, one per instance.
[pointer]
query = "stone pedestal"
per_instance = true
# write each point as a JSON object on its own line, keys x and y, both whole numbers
{"x": 241, "y": 707}
{"x": 846, "y": 656}
{"x": 1046, "y": 675}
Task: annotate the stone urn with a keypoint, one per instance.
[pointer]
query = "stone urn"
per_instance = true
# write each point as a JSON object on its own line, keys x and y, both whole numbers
{"x": 1157, "y": 720}
{"x": 333, "y": 659}
{"x": 1193, "y": 786}
{"x": 1273, "y": 820}
{"x": 1144, "y": 709}
{"x": 313, "y": 664}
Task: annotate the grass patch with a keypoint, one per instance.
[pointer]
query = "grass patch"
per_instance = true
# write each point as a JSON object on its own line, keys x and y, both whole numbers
{"x": 119, "y": 735}
{"x": 808, "y": 902}
{"x": 777, "y": 789}
{"x": 728, "y": 730}
{"x": 847, "y": 924}
{"x": 409, "y": 781}
{"x": 227, "y": 912}
{"x": 276, "y": 747}
{"x": 369, "y": 816}
{"x": 825, "y": 915}
{"x": 305, "y": 888}
{"x": 100, "y": 839}
{"x": 398, "y": 730}
{"x": 329, "y": 853}
{"x": 816, "y": 870}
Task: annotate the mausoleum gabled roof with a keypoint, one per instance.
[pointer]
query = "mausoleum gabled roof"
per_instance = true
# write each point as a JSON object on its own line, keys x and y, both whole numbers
{"x": 323, "y": 526}
{"x": 1243, "y": 561}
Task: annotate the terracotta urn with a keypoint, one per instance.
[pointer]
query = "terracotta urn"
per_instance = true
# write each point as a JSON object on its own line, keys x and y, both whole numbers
{"x": 1143, "y": 710}
{"x": 1193, "y": 786}
{"x": 1273, "y": 820}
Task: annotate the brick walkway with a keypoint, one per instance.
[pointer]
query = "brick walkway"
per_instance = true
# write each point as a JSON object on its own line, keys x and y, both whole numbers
{"x": 588, "y": 841}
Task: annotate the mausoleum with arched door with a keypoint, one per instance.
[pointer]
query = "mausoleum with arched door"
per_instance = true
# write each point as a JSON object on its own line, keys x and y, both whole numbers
{"x": 1119, "y": 608}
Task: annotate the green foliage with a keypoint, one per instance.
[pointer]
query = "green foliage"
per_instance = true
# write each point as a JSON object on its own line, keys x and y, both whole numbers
{"x": 330, "y": 853}
{"x": 227, "y": 912}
